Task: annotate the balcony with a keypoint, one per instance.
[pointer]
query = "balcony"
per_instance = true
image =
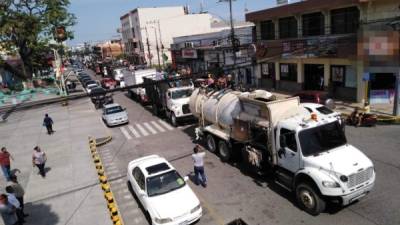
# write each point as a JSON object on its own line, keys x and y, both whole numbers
{"x": 327, "y": 46}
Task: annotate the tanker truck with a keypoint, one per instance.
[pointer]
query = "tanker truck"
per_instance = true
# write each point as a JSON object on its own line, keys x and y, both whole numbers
{"x": 307, "y": 155}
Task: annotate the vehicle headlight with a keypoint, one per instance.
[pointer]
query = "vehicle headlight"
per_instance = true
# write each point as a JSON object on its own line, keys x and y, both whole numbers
{"x": 344, "y": 178}
{"x": 164, "y": 220}
{"x": 198, "y": 207}
{"x": 330, "y": 184}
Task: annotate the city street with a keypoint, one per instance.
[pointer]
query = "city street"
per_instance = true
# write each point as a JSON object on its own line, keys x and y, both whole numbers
{"x": 232, "y": 193}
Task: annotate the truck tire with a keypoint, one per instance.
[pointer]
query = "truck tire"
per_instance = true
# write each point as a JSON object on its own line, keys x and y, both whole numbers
{"x": 309, "y": 199}
{"x": 224, "y": 151}
{"x": 172, "y": 118}
{"x": 155, "y": 110}
{"x": 211, "y": 145}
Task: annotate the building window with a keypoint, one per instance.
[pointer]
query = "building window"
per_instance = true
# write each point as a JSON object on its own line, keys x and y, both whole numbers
{"x": 288, "y": 27}
{"x": 288, "y": 71}
{"x": 343, "y": 76}
{"x": 313, "y": 24}
{"x": 133, "y": 32}
{"x": 267, "y": 70}
{"x": 267, "y": 29}
{"x": 344, "y": 21}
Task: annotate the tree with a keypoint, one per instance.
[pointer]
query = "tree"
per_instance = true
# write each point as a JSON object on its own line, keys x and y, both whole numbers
{"x": 27, "y": 26}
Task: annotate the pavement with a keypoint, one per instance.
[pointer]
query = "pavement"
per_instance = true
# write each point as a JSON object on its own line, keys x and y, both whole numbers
{"x": 70, "y": 193}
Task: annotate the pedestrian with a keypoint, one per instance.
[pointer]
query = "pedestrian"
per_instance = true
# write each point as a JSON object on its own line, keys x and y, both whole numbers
{"x": 39, "y": 159}
{"x": 8, "y": 211}
{"x": 48, "y": 123}
{"x": 19, "y": 192}
{"x": 5, "y": 163}
{"x": 198, "y": 159}
{"x": 14, "y": 201}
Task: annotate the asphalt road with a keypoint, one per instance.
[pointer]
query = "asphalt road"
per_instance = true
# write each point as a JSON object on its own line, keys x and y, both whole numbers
{"x": 232, "y": 193}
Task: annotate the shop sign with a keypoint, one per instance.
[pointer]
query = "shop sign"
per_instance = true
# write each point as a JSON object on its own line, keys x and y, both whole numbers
{"x": 381, "y": 96}
{"x": 189, "y": 53}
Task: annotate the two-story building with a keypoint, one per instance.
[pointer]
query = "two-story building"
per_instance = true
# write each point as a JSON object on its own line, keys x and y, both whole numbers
{"x": 344, "y": 47}
{"x": 212, "y": 52}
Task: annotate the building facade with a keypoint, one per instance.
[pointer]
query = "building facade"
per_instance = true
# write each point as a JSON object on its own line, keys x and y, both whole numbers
{"x": 111, "y": 49}
{"x": 213, "y": 53}
{"x": 147, "y": 33}
{"x": 345, "y": 47}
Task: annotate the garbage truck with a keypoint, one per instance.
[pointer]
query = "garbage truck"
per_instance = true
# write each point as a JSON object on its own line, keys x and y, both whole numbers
{"x": 169, "y": 98}
{"x": 306, "y": 154}
{"x": 134, "y": 78}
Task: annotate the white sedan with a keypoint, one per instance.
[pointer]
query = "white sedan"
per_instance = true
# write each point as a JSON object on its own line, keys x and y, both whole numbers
{"x": 321, "y": 110}
{"x": 114, "y": 114}
{"x": 163, "y": 193}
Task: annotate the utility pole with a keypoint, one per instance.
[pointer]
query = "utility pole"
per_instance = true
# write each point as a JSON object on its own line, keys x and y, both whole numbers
{"x": 158, "y": 48}
{"x": 148, "y": 45}
{"x": 162, "y": 45}
{"x": 232, "y": 36}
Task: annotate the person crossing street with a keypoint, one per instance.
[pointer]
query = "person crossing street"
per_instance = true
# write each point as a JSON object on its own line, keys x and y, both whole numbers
{"x": 198, "y": 159}
{"x": 39, "y": 159}
{"x": 5, "y": 163}
{"x": 48, "y": 123}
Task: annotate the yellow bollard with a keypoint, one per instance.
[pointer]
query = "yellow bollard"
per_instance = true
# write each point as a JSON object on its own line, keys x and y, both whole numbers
{"x": 105, "y": 187}
{"x": 109, "y": 197}
{"x": 111, "y": 205}
{"x": 103, "y": 179}
{"x": 100, "y": 172}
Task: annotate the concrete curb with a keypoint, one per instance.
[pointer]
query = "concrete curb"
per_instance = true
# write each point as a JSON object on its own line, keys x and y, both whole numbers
{"x": 112, "y": 206}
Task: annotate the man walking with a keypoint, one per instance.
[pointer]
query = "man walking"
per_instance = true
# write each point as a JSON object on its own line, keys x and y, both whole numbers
{"x": 14, "y": 201}
{"x": 5, "y": 157}
{"x": 198, "y": 159}
{"x": 39, "y": 159}
{"x": 18, "y": 191}
{"x": 48, "y": 123}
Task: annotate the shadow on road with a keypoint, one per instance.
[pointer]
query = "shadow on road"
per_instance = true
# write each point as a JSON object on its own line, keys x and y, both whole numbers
{"x": 40, "y": 214}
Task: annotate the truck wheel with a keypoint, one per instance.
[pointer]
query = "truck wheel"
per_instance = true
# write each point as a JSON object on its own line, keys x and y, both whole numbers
{"x": 155, "y": 110}
{"x": 173, "y": 120}
{"x": 309, "y": 199}
{"x": 212, "y": 147}
{"x": 224, "y": 151}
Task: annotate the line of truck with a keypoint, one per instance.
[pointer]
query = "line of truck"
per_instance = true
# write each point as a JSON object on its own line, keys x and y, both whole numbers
{"x": 307, "y": 154}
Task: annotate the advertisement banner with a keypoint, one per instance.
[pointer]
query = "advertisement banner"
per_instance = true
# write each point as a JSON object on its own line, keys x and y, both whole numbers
{"x": 189, "y": 53}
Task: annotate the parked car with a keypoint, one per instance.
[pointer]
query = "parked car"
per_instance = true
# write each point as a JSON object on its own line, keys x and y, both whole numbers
{"x": 118, "y": 73}
{"x": 318, "y": 97}
{"x": 90, "y": 82}
{"x": 163, "y": 193}
{"x": 85, "y": 79}
{"x": 322, "y": 111}
{"x": 114, "y": 114}
{"x": 90, "y": 87}
{"x": 108, "y": 83}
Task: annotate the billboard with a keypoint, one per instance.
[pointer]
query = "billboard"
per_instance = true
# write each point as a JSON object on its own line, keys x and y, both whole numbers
{"x": 189, "y": 53}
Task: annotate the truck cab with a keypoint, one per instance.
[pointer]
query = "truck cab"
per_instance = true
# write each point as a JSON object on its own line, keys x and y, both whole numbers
{"x": 315, "y": 161}
{"x": 177, "y": 101}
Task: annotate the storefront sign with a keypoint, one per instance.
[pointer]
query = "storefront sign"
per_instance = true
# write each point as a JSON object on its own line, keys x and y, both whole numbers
{"x": 189, "y": 53}
{"x": 381, "y": 96}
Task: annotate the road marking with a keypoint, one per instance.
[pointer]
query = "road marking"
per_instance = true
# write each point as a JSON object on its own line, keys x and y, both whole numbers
{"x": 166, "y": 125}
{"x": 134, "y": 132}
{"x": 142, "y": 130}
{"x": 147, "y": 125}
{"x": 138, "y": 220}
{"x": 125, "y": 132}
{"x": 158, "y": 126}
{"x": 127, "y": 196}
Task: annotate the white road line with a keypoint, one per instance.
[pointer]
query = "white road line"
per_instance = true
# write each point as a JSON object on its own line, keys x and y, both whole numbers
{"x": 151, "y": 129}
{"x": 166, "y": 125}
{"x": 142, "y": 130}
{"x": 125, "y": 132}
{"x": 158, "y": 126}
{"x": 134, "y": 132}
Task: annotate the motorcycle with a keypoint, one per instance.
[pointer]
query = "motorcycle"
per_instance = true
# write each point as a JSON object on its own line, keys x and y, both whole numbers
{"x": 362, "y": 119}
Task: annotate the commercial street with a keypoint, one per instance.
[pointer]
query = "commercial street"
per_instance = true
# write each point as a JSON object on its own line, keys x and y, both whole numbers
{"x": 232, "y": 192}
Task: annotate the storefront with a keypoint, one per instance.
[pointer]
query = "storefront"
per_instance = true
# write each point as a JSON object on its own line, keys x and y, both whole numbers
{"x": 382, "y": 88}
{"x": 314, "y": 77}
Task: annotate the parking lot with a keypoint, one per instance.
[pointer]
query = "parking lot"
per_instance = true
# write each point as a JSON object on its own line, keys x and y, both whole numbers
{"x": 232, "y": 192}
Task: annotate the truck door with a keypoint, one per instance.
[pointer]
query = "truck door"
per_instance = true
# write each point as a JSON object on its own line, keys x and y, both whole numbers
{"x": 288, "y": 155}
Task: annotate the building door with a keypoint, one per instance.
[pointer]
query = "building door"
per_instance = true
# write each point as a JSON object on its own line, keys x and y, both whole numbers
{"x": 313, "y": 77}
{"x": 382, "y": 88}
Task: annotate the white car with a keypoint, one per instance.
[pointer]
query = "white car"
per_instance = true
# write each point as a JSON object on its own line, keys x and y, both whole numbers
{"x": 90, "y": 87}
{"x": 163, "y": 193}
{"x": 114, "y": 114}
{"x": 321, "y": 110}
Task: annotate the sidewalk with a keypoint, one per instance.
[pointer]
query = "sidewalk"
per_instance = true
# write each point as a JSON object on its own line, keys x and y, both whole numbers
{"x": 70, "y": 193}
{"x": 347, "y": 108}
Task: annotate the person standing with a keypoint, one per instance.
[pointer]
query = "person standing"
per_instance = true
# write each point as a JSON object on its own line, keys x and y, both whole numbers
{"x": 5, "y": 163}
{"x": 19, "y": 191}
{"x": 8, "y": 211}
{"x": 48, "y": 123}
{"x": 39, "y": 159}
{"x": 198, "y": 160}
{"x": 14, "y": 201}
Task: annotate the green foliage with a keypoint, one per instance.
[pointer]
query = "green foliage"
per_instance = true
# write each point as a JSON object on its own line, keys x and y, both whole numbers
{"x": 27, "y": 26}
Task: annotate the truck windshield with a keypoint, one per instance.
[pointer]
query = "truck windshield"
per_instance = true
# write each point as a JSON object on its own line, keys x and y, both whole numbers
{"x": 184, "y": 93}
{"x": 322, "y": 138}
